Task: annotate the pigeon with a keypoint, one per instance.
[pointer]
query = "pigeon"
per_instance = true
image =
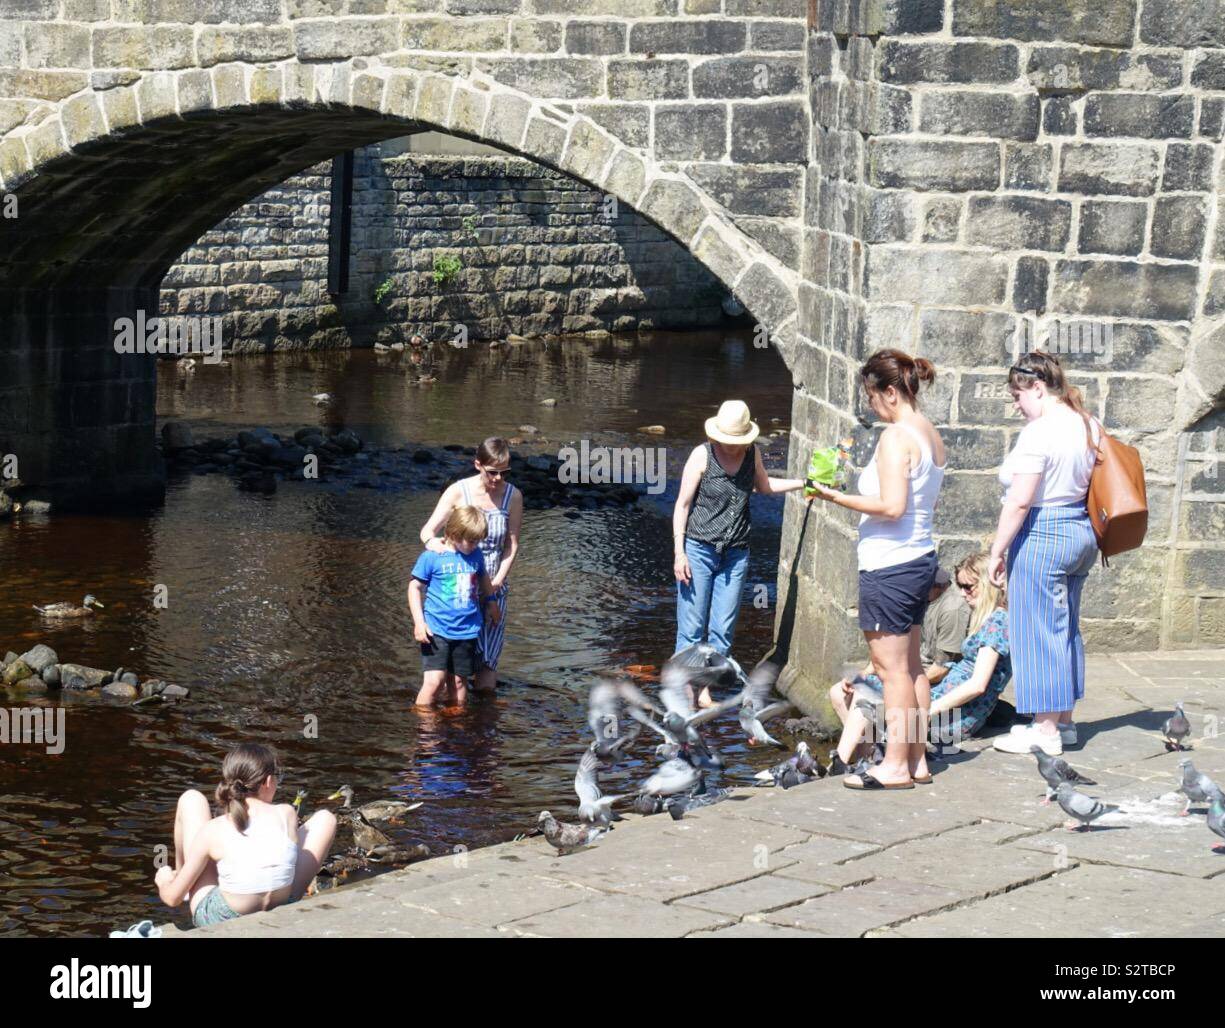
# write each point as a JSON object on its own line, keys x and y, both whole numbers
{"x": 673, "y": 777}
{"x": 1195, "y": 785}
{"x": 1176, "y": 728}
{"x": 1082, "y": 808}
{"x": 647, "y": 805}
{"x": 754, "y": 708}
{"x": 593, "y": 806}
{"x": 567, "y": 838}
{"x": 679, "y": 806}
{"x": 705, "y": 667}
{"x": 1216, "y": 820}
{"x": 793, "y": 777}
{"x": 1056, "y": 770}
{"x": 603, "y": 710}
{"x": 680, "y": 722}
{"x": 800, "y": 765}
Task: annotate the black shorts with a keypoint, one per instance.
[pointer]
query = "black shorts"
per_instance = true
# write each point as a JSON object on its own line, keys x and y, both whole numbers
{"x": 894, "y": 599}
{"x": 458, "y": 656}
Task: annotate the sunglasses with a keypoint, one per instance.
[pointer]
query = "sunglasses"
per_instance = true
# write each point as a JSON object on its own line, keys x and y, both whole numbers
{"x": 495, "y": 472}
{"x": 966, "y": 587}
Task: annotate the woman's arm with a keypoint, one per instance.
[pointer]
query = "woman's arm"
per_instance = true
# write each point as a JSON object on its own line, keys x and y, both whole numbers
{"x": 432, "y": 531}
{"x": 514, "y": 523}
{"x": 695, "y": 467}
{"x": 1012, "y": 515}
{"x": 893, "y": 468}
{"x": 972, "y": 687}
{"x": 173, "y": 888}
{"x": 763, "y": 483}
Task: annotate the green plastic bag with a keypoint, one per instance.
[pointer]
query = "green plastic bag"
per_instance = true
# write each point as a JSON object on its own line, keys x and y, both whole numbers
{"x": 831, "y": 466}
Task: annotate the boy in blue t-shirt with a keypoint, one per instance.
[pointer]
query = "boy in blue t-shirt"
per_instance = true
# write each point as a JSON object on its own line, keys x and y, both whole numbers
{"x": 445, "y": 597}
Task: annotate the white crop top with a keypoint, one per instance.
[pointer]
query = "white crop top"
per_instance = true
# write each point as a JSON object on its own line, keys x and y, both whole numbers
{"x": 884, "y": 543}
{"x": 263, "y": 859}
{"x": 1054, "y": 446}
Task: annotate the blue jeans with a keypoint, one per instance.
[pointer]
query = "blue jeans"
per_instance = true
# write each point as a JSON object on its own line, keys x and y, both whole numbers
{"x": 707, "y": 608}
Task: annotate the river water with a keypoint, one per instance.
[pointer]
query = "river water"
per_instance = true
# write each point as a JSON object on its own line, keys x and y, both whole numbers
{"x": 288, "y": 611}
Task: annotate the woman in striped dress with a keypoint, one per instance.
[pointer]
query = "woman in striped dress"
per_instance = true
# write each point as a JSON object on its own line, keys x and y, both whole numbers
{"x": 502, "y": 504}
{"x": 1045, "y": 531}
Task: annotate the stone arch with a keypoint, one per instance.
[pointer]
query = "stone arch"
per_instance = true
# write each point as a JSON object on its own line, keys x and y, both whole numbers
{"x": 87, "y": 141}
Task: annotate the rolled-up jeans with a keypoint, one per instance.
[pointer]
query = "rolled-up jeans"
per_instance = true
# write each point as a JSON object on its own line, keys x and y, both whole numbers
{"x": 707, "y": 608}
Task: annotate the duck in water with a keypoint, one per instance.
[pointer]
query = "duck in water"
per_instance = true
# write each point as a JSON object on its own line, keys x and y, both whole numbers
{"x": 70, "y": 610}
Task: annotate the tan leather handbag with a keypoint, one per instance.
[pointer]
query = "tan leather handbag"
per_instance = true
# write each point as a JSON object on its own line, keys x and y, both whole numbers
{"x": 1118, "y": 499}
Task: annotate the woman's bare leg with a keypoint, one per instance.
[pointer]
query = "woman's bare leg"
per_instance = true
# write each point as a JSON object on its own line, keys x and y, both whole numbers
{"x": 191, "y": 814}
{"x": 891, "y": 658}
{"x": 923, "y": 698}
{"x": 315, "y": 837}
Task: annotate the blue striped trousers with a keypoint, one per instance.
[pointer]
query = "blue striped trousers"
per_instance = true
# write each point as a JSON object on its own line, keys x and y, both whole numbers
{"x": 489, "y": 642}
{"x": 1048, "y": 562}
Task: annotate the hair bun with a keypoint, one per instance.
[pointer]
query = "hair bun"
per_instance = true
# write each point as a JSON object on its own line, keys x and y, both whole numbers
{"x": 926, "y": 369}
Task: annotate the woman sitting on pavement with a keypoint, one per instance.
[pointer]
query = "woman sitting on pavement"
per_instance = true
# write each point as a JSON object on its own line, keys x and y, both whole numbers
{"x": 963, "y": 700}
{"x": 254, "y": 856}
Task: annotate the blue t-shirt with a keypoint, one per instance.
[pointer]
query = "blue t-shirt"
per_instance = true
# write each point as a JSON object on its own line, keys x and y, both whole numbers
{"x": 452, "y": 592}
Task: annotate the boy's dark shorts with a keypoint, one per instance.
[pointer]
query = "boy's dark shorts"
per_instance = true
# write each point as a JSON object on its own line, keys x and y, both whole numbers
{"x": 458, "y": 656}
{"x": 894, "y": 599}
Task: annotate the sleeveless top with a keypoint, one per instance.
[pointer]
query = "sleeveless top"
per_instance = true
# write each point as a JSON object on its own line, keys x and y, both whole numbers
{"x": 884, "y": 543}
{"x": 720, "y": 512}
{"x": 263, "y": 860}
{"x": 498, "y": 520}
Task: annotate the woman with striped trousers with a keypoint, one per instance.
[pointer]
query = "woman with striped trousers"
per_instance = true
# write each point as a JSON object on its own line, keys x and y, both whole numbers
{"x": 1045, "y": 531}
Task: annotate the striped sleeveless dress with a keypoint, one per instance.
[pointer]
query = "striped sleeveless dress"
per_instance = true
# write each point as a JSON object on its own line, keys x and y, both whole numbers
{"x": 489, "y": 642}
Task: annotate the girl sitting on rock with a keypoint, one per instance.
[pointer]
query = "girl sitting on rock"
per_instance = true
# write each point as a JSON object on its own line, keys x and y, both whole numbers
{"x": 254, "y": 856}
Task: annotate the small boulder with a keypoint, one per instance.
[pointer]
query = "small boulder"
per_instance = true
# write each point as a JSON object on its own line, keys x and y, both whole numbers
{"x": 548, "y": 403}
{"x": 129, "y": 678}
{"x": 653, "y": 429}
{"x": 74, "y": 683}
{"x": 8, "y": 659}
{"x": 120, "y": 691}
{"x": 176, "y": 436}
{"x": 15, "y": 672}
{"x": 92, "y": 676}
{"x": 32, "y": 685}
{"x": 39, "y": 658}
{"x": 51, "y": 676}
{"x": 175, "y": 692}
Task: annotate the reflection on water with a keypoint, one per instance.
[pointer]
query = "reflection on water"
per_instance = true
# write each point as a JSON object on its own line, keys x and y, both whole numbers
{"x": 288, "y": 608}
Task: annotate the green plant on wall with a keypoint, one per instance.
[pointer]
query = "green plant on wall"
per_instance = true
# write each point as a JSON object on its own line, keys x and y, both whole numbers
{"x": 469, "y": 224}
{"x": 446, "y": 267}
{"x": 382, "y": 289}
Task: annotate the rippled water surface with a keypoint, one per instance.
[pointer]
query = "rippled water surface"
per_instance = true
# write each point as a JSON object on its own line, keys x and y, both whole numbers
{"x": 287, "y": 606}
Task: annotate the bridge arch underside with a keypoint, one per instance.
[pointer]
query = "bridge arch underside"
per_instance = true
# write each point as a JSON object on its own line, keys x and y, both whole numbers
{"x": 100, "y": 224}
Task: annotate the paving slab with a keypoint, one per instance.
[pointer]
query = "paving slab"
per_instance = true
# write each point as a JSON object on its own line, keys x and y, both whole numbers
{"x": 855, "y": 911}
{"x": 756, "y": 896}
{"x": 1198, "y": 696}
{"x": 827, "y": 808}
{"x": 756, "y": 930}
{"x": 1089, "y": 901}
{"x": 620, "y": 917}
{"x": 493, "y": 899}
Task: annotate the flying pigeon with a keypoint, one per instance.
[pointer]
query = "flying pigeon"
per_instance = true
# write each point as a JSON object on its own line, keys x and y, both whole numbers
{"x": 1176, "y": 728}
{"x": 672, "y": 777}
{"x": 705, "y": 666}
{"x": 754, "y": 708}
{"x": 593, "y": 806}
{"x": 1082, "y": 808}
{"x": 568, "y": 838}
{"x": 1056, "y": 770}
{"x": 1195, "y": 785}
{"x": 603, "y": 715}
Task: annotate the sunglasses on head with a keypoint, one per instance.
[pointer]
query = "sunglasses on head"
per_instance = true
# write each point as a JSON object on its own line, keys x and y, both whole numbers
{"x": 1040, "y": 375}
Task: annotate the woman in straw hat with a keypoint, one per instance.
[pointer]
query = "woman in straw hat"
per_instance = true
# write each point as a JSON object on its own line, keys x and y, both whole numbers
{"x": 710, "y": 528}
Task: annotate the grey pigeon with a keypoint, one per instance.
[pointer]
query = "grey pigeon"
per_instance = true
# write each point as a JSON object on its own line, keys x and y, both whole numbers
{"x": 1216, "y": 820}
{"x": 1082, "y": 808}
{"x": 673, "y": 776}
{"x": 647, "y": 805}
{"x": 679, "y": 806}
{"x": 593, "y": 806}
{"x": 1176, "y": 728}
{"x": 705, "y": 666}
{"x": 800, "y": 765}
{"x": 603, "y": 710}
{"x": 1056, "y": 770}
{"x": 791, "y": 778}
{"x": 568, "y": 838}
{"x": 755, "y": 708}
{"x": 1195, "y": 785}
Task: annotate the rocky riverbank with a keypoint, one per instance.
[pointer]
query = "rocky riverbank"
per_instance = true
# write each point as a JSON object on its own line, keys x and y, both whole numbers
{"x": 39, "y": 671}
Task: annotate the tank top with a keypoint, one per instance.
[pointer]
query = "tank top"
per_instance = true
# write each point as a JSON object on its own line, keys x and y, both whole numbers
{"x": 263, "y": 860}
{"x": 720, "y": 512}
{"x": 496, "y": 519}
{"x": 884, "y": 543}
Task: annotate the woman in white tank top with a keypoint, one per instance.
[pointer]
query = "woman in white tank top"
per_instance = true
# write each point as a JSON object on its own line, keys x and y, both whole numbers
{"x": 254, "y": 856}
{"x": 897, "y": 559}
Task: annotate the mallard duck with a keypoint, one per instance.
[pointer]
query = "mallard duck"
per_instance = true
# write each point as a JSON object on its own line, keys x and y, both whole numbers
{"x": 365, "y": 835}
{"x": 69, "y": 610}
{"x": 376, "y": 810}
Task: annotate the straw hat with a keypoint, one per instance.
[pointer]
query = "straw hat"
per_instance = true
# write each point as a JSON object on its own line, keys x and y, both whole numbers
{"x": 732, "y": 424}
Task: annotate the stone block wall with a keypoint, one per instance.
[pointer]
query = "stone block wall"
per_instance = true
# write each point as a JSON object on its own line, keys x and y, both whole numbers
{"x": 539, "y": 252}
{"x": 987, "y": 178}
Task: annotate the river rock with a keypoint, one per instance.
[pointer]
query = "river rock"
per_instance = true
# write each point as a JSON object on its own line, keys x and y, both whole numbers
{"x": 39, "y": 658}
{"x": 92, "y": 676}
{"x": 8, "y": 659}
{"x": 51, "y": 676}
{"x": 347, "y": 440}
{"x": 175, "y": 692}
{"x": 528, "y": 429}
{"x": 73, "y": 683}
{"x": 176, "y": 435}
{"x": 15, "y": 672}
{"x": 256, "y": 437}
{"x": 6, "y": 505}
{"x": 153, "y": 687}
{"x": 120, "y": 691}
{"x": 422, "y": 456}
{"x": 33, "y": 684}
{"x": 653, "y": 429}
{"x": 129, "y": 678}
{"x": 548, "y": 403}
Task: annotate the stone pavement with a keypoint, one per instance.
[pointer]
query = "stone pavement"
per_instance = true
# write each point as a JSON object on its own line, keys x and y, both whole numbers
{"x": 973, "y": 854}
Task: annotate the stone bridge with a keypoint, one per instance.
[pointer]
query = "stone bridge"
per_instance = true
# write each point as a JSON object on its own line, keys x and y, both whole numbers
{"x": 960, "y": 178}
